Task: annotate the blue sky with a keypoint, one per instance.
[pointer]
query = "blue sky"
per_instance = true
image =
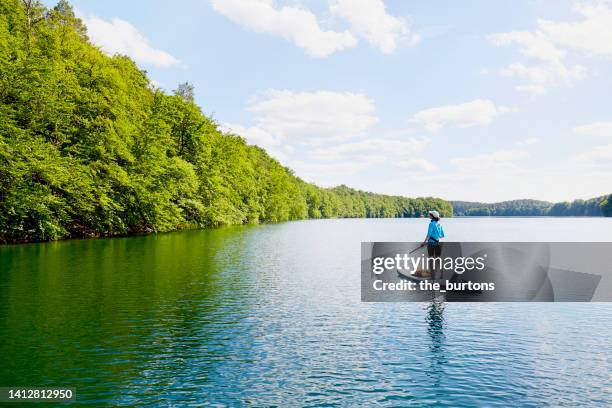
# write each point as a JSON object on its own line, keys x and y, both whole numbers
{"x": 471, "y": 100}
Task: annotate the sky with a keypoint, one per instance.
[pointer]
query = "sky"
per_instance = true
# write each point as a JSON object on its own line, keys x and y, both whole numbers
{"x": 471, "y": 100}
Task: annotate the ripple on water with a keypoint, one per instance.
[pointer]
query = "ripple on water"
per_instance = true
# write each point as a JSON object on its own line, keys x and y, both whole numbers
{"x": 271, "y": 316}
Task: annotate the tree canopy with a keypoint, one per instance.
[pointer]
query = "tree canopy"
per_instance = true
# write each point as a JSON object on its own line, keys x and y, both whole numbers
{"x": 606, "y": 206}
{"x": 594, "y": 207}
{"x": 89, "y": 147}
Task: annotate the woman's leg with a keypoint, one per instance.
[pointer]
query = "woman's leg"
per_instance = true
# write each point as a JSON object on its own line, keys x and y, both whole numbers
{"x": 434, "y": 251}
{"x": 431, "y": 253}
{"x": 438, "y": 254}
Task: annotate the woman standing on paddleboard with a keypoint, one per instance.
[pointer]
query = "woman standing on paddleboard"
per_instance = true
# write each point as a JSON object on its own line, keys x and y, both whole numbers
{"x": 432, "y": 240}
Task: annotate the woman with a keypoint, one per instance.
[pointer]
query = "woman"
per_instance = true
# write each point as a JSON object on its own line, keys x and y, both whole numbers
{"x": 432, "y": 240}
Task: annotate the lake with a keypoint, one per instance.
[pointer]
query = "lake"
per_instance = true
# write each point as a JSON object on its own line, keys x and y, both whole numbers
{"x": 271, "y": 315}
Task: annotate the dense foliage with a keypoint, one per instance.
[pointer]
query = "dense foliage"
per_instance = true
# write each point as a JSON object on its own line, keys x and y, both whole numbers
{"x": 594, "y": 207}
{"x": 88, "y": 147}
{"x": 343, "y": 201}
{"x": 606, "y": 206}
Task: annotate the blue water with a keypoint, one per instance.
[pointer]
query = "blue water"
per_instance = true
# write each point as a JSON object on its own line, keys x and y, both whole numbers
{"x": 271, "y": 315}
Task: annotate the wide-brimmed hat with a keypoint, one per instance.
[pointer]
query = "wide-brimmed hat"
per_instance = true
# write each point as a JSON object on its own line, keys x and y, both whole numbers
{"x": 434, "y": 213}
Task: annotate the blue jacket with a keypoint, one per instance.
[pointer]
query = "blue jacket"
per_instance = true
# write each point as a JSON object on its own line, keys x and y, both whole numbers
{"x": 435, "y": 231}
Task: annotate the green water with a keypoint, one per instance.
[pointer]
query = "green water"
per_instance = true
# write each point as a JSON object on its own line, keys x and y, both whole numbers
{"x": 270, "y": 315}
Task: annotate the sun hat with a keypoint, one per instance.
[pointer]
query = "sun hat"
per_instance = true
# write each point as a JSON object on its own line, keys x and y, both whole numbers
{"x": 435, "y": 213}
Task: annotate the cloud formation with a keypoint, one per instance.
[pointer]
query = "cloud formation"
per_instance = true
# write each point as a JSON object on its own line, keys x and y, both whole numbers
{"x": 473, "y": 113}
{"x": 368, "y": 19}
{"x": 329, "y": 131}
{"x": 417, "y": 165}
{"x": 600, "y": 129}
{"x": 528, "y": 141}
{"x": 293, "y": 23}
{"x": 598, "y": 158}
{"x": 592, "y": 35}
{"x": 551, "y": 42}
{"x": 313, "y": 117}
{"x": 499, "y": 160}
{"x": 390, "y": 148}
{"x": 328, "y": 174}
{"x": 285, "y": 120}
{"x": 539, "y": 78}
{"x": 118, "y": 36}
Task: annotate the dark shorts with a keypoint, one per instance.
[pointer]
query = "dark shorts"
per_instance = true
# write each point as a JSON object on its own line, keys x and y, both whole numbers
{"x": 434, "y": 250}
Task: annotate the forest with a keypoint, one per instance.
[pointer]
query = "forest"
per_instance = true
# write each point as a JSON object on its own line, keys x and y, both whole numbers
{"x": 90, "y": 147}
{"x": 594, "y": 207}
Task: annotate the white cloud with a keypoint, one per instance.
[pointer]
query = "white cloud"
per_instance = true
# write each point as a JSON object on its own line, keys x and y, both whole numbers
{"x": 332, "y": 174}
{"x": 532, "y": 89}
{"x": 528, "y": 141}
{"x": 485, "y": 177}
{"x": 253, "y": 134}
{"x": 476, "y": 112}
{"x": 554, "y": 183}
{"x": 601, "y": 129}
{"x": 155, "y": 84}
{"x": 321, "y": 135}
{"x": 260, "y": 137}
{"x": 285, "y": 120}
{"x": 500, "y": 160}
{"x": 534, "y": 45}
{"x": 120, "y": 37}
{"x": 313, "y": 116}
{"x": 295, "y": 24}
{"x": 597, "y": 158}
{"x": 540, "y": 77}
{"x": 369, "y": 19}
{"x": 372, "y": 147}
{"x": 333, "y": 165}
{"x": 592, "y": 35}
{"x": 420, "y": 165}
{"x": 551, "y": 42}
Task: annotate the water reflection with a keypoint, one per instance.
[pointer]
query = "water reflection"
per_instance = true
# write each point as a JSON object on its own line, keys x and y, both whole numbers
{"x": 114, "y": 318}
{"x": 435, "y": 329}
{"x": 271, "y": 316}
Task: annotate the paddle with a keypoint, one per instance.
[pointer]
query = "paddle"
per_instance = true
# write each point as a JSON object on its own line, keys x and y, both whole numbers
{"x": 416, "y": 249}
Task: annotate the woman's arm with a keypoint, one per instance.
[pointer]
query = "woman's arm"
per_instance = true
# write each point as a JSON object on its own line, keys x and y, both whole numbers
{"x": 428, "y": 234}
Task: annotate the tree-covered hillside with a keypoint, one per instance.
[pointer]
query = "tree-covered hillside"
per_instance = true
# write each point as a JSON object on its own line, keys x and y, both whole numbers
{"x": 606, "y": 206}
{"x": 594, "y": 207}
{"x": 89, "y": 147}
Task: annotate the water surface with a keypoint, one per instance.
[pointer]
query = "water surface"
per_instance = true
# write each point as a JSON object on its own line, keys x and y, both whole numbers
{"x": 270, "y": 315}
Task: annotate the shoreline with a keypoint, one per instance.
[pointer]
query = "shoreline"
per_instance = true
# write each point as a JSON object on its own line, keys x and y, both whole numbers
{"x": 153, "y": 233}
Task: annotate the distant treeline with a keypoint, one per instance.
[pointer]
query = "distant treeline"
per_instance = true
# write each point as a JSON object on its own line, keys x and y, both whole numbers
{"x": 594, "y": 207}
{"x": 89, "y": 147}
{"x": 343, "y": 202}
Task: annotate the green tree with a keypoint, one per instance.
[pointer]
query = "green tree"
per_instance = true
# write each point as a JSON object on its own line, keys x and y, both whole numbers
{"x": 606, "y": 206}
{"x": 89, "y": 147}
